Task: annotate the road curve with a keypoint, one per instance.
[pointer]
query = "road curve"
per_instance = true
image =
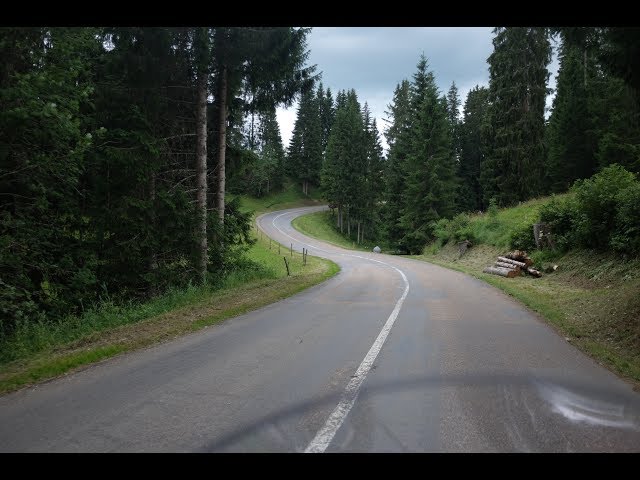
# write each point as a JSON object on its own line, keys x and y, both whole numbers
{"x": 391, "y": 355}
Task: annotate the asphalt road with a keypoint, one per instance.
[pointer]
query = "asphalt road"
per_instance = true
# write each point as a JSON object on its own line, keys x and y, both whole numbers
{"x": 391, "y": 355}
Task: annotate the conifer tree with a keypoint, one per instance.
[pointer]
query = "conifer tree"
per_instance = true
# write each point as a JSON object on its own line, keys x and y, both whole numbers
{"x": 513, "y": 169}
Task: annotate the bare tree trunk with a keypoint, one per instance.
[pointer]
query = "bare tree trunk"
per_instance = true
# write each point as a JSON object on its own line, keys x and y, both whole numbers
{"x": 338, "y": 216}
{"x": 222, "y": 141}
{"x": 348, "y": 224}
{"x": 201, "y": 172}
{"x": 153, "y": 260}
{"x": 362, "y": 234}
{"x": 358, "y": 235}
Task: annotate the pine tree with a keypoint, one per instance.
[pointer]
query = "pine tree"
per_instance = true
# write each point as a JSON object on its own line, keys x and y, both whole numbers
{"x": 305, "y": 148}
{"x": 430, "y": 167}
{"x": 571, "y": 152}
{"x": 472, "y": 149}
{"x": 269, "y": 63}
{"x": 518, "y": 74}
{"x": 373, "y": 177}
{"x": 453, "y": 113}
{"x": 344, "y": 170}
{"x": 327, "y": 113}
{"x": 269, "y": 169}
{"x": 398, "y": 140}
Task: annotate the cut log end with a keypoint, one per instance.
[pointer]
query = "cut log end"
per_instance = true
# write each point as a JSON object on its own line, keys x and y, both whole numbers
{"x": 533, "y": 272}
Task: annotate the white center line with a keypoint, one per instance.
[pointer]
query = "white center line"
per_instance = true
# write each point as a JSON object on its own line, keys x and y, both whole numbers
{"x": 324, "y": 436}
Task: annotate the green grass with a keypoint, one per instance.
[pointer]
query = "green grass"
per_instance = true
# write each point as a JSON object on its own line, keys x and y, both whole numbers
{"x": 44, "y": 350}
{"x": 321, "y": 225}
{"x": 290, "y": 197}
{"x": 497, "y": 231}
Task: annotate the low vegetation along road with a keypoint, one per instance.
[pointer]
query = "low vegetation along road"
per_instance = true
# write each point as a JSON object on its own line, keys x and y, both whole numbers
{"x": 392, "y": 354}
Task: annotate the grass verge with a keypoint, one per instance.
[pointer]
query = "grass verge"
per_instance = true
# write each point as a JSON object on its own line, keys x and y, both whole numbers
{"x": 290, "y": 197}
{"x": 320, "y": 225}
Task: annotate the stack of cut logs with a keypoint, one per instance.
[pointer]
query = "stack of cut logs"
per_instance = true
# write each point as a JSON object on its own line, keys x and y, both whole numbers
{"x": 512, "y": 264}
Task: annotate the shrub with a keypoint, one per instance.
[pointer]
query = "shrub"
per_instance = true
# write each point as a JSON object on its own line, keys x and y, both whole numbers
{"x": 597, "y": 200}
{"x": 442, "y": 231}
{"x": 456, "y": 229}
{"x": 626, "y": 236}
{"x": 522, "y": 237}
{"x": 603, "y": 214}
{"x": 560, "y": 215}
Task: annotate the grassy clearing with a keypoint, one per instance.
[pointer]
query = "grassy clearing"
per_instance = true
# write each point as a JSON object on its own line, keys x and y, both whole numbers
{"x": 497, "y": 231}
{"x": 41, "y": 351}
{"x": 321, "y": 225}
{"x": 290, "y": 197}
{"x": 592, "y": 299}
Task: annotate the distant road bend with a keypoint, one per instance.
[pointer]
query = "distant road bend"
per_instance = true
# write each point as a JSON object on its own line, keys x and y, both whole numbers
{"x": 391, "y": 355}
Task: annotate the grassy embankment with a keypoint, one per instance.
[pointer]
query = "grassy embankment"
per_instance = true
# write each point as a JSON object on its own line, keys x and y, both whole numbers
{"x": 322, "y": 225}
{"x": 593, "y": 299}
{"x": 42, "y": 351}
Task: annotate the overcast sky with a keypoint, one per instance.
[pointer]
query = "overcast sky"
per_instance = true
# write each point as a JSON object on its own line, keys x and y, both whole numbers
{"x": 373, "y": 60}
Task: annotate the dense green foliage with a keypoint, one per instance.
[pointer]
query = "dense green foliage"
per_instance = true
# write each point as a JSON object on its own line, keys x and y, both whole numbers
{"x": 474, "y": 123}
{"x": 429, "y": 170}
{"x": 513, "y": 170}
{"x": 603, "y": 213}
{"x": 97, "y": 153}
{"x": 352, "y": 169}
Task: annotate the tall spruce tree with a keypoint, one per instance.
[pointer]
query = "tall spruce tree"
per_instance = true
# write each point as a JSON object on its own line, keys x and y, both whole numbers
{"x": 569, "y": 135}
{"x": 453, "y": 113}
{"x": 430, "y": 179}
{"x": 305, "y": 147}
{"x": 472, "y": 149}
{"x": 397, "y": 135}
{"x": 513, "y": 170}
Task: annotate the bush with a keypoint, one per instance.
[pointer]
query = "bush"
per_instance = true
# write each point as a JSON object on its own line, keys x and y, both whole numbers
{"x": 597, "y": 199}
{"x": 603, "y": 214}
{"x": 442, "y": 231}
{"x": 522, "y": 238}
{"x": 626, "y": 236}
{"x": 560, "y": 215}
{"x": 456, "y": 229}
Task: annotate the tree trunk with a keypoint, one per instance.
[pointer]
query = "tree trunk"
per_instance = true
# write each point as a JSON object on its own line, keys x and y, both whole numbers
{"x": 338, "y": 216}
{"x": 153, "y": 260}
{"x": 222, "y": 142}
{"x": 349, "y": 224}
{"x": 201, "y": 171}
{"x": 503, "y": 272}
{"x": 358, "y": 234}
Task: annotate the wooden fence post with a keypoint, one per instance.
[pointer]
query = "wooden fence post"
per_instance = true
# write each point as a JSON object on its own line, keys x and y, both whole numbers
{"x": 286, "y": 265}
